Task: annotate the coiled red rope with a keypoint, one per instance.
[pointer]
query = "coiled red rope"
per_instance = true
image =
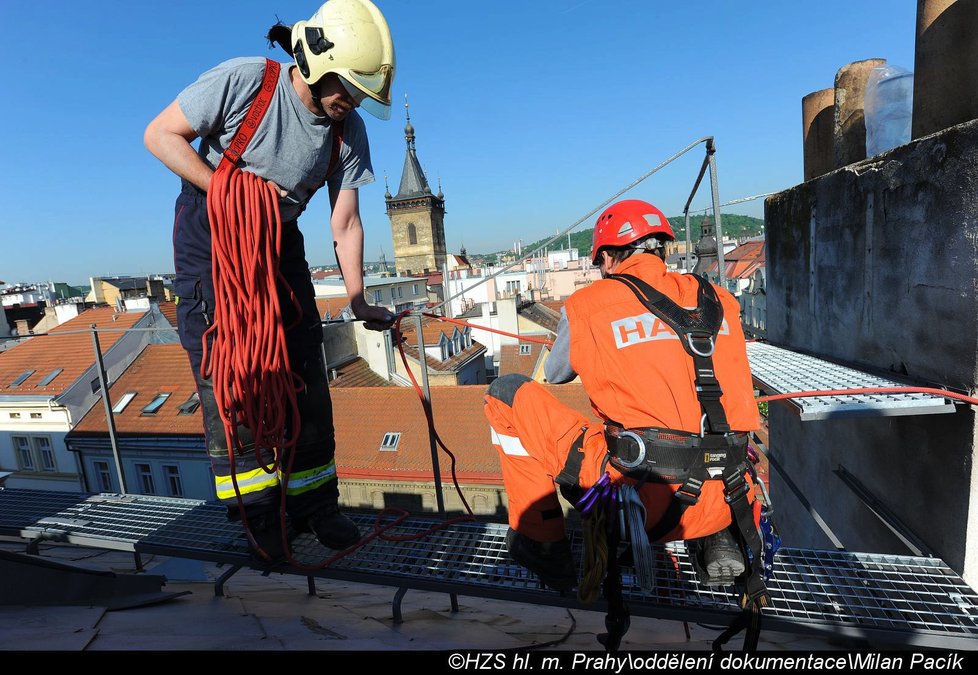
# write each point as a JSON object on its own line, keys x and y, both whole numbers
{"x": 248, "y": 363}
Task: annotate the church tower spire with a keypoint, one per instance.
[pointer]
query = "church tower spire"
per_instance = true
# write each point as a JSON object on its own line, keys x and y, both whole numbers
{"x": 417, "y": 216}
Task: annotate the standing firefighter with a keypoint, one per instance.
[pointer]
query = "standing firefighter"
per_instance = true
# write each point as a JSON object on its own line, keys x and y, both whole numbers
{"x": 295, "y": 127}
{"x": 673, "y": 388}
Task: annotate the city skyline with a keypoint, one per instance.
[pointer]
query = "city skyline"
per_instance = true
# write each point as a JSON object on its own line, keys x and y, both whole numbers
{"x": 526, "y": 119}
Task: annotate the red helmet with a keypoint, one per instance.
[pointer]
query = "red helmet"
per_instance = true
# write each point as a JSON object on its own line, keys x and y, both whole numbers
{"x": 627, "y": 221}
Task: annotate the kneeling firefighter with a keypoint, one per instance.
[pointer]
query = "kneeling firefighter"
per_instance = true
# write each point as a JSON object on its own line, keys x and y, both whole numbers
{"x": 673, "y": 387}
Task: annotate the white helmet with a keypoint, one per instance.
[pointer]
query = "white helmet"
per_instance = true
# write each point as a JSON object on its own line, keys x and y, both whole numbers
{"x": 350, "y": 38}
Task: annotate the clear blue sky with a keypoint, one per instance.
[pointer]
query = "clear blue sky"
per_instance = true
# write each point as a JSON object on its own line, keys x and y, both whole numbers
{"x": 531, "y": 113}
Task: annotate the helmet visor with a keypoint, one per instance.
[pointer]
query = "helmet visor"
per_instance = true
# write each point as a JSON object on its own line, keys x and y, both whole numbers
{"x": 372, "y": 91}
{"x": 375, "y": 108}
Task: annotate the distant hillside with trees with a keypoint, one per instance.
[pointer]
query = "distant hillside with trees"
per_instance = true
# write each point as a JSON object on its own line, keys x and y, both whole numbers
{"x": 734, "y": 225}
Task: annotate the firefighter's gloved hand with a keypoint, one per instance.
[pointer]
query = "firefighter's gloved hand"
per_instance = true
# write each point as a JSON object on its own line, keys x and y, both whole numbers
{"x": 374, "y": 318}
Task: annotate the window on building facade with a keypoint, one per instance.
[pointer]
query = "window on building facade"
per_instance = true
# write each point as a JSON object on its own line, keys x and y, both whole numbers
{"x": 22, "y": 448}
{"x": 103, "y": 478}
{"x": 42, "y": 445}
{"x": 14, "y": 416}
{"x": 414, "y": 289}
{"x": 123, "y": 402}
{"x": 393, "y": 294}
{"x": 391, "y": 439}
{"x": 400, "y": 291}
{"x": 525, "y": 350}
{"x": 412, "y": 234}
{"x": 144, "y": 472}
{"x": 174, "y": 484}
{"x": 22, "y": 377}
{"x": 36, "y": 416}
{"x": 50, "y": 377}
{"x": 155, "y": 405}
{"x": 378, "y": 298}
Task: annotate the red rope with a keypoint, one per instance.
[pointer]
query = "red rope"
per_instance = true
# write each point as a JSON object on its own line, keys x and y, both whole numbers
{"x": 521, "y": 338}
{"x": 254, "y": 385}
{"x": 872, "y": 390}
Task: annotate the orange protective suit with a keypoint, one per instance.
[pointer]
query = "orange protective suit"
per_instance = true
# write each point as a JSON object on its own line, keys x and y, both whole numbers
{"x": 636, "y": 374}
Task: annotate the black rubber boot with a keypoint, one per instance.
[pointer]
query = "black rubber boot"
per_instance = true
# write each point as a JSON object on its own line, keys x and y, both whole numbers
{"x": 331, "y": 527}
{"x": 553, "y": 561}
{"x": 720, "y": 559}
{"x": 266, "y": 530}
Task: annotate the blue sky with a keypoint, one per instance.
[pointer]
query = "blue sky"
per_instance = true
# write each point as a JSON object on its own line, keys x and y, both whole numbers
{"x": 530, "y": 113}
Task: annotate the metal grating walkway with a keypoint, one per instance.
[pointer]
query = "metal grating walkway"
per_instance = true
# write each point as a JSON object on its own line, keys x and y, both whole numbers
{"x": 877, "y": 598}
{"x": 778, "y": 370}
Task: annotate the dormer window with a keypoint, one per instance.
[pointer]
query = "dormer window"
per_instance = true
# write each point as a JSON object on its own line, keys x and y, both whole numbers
{"x": 390, "y": 442}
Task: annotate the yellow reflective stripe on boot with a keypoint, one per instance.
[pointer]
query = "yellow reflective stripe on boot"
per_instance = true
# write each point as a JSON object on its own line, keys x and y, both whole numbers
{"x": 310, "y": 479}
{"x": 248, "y": 482}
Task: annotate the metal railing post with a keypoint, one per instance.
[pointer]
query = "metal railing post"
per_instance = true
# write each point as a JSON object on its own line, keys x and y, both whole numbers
{"x": 711, "y": 156}
{"x": 435, "y": 467}
{"x": 104, "y": 384}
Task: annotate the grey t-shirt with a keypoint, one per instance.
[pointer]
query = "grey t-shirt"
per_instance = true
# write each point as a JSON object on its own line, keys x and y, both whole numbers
{"x": 291, "y": 146}
{"x": 557, "y": 368}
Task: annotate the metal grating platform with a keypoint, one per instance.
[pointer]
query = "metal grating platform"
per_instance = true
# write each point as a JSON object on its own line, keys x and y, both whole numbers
{"x": 883, "y": 599}
{"x": 778, "y": 370}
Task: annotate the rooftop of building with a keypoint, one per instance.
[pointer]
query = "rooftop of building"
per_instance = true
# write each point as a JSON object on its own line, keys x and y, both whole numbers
{"x": 356, "y": 373}
{"x": 48, "y": 364}
{"x": 521, "y": 359}
{"x": 369, "y": 281}
{"x": 156, "y": 395}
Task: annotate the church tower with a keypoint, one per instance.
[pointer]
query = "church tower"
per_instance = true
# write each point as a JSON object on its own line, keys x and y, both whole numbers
{"x": 417, "y": 216}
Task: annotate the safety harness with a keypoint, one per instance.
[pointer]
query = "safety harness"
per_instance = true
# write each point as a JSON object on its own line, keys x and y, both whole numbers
{"x": 717, "y": 453}
{"x": 678, "y": 457}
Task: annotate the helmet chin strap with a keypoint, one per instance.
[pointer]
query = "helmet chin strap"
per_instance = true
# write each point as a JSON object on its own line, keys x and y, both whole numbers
{"x": 315, "y": 90}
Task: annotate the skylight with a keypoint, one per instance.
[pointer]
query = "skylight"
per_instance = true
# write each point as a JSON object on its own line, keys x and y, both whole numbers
{"x": 156, "y": 403}
{"x": 189, "y": 407}
{"x": 391, "y": 439}
{"x": 123, "y": 402}
{"x": 525, "y": 350}
{"x": 50, "y": 377}
{"x": 23, "y": 376}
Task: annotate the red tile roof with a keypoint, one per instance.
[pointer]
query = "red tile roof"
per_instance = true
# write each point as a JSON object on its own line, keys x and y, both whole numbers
{"x": 357, "y": 373}
{"x": 743, "y": 261}
{"x": 512, "y": 361}
{"x": 334, "y": 306}
{"x": 169, "y": 310}
{"x": 363, "y": 416}
{"x": 160, "y": 368}
{"x": 72, "y": 352}
{"x": 433, "y": 330}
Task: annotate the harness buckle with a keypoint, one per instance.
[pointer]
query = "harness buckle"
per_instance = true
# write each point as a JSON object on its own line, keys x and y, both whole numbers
{"x": 640, "y": 459}
{"x": 735, "y": 487}
{"x": 689, "y": 492}
{"x": 701, "y": 344}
